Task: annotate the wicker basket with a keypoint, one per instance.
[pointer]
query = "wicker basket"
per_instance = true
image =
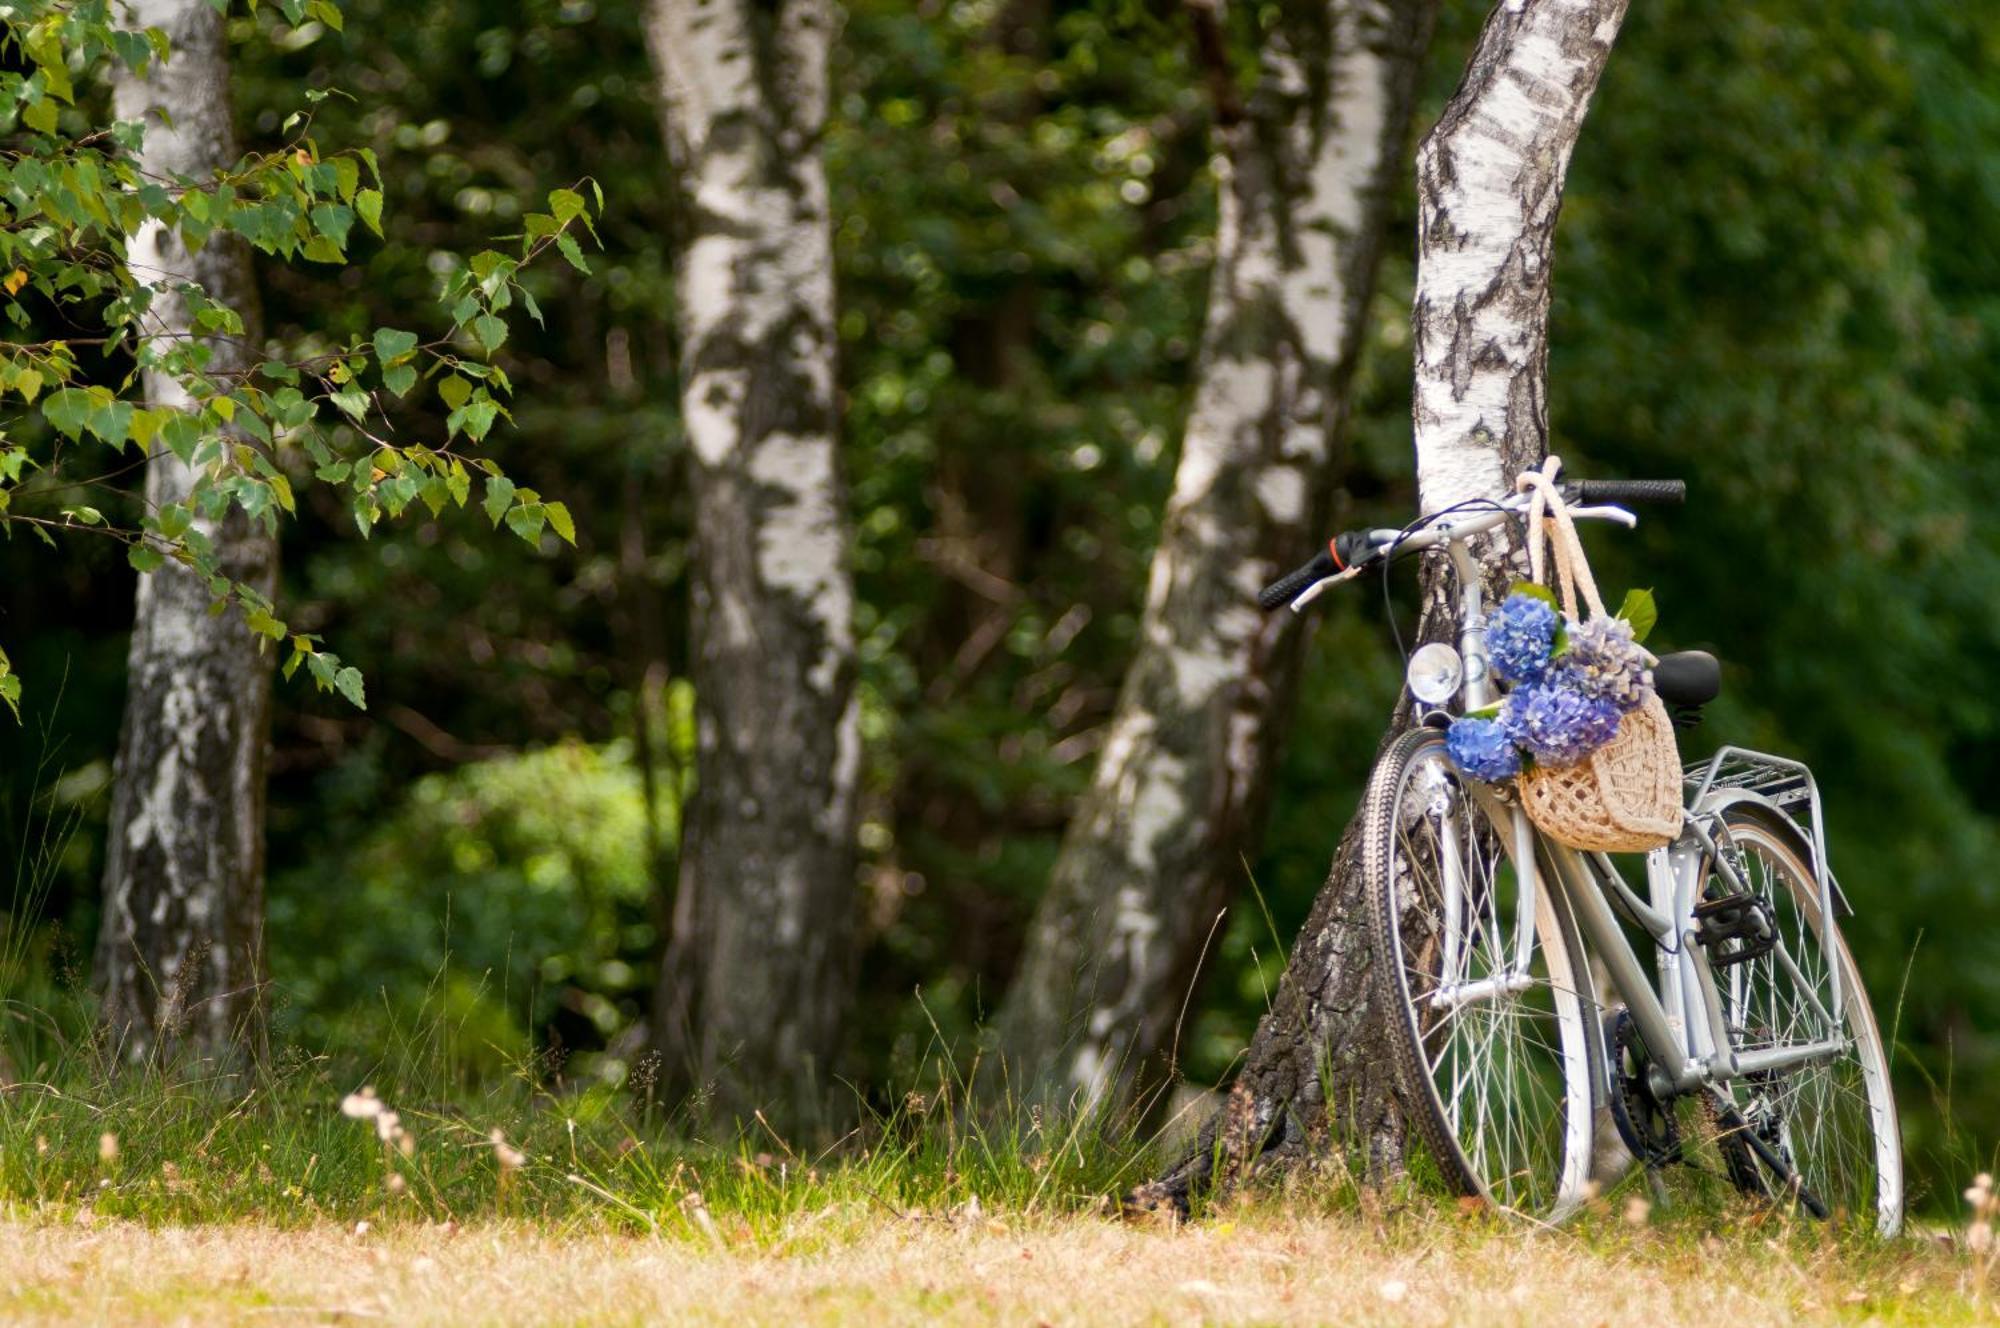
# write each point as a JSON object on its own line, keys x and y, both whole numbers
{"x": 1625, "y": 797}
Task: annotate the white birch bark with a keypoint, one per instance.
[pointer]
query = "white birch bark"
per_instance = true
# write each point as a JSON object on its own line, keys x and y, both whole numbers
{"x": 1155, "y": 849}
{"x": 755, "y": 980}
{"x": 1489, "y": 185}
{"x": 179, "y": 952}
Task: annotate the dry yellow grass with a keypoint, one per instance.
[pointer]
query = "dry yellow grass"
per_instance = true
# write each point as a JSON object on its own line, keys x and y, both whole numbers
{"x": 1262, "y": 1268}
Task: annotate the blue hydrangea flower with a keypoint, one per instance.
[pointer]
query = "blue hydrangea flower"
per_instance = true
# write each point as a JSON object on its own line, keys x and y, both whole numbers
{"x": 1603, "y": 661}
{"x": 1519, "y": 637}
{"x": 1482, "y": 749}
{"x": 1558, "y": 724}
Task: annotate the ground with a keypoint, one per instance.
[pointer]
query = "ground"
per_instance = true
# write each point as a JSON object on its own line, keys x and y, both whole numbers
{"x": 1260, "y": 1265}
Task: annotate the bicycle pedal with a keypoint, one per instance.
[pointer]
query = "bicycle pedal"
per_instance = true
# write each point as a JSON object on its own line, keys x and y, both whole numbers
{"x": 1735, "y": 928}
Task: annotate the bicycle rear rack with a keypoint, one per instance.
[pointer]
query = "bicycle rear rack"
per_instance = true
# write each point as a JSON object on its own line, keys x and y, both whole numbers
{"x": 1788, "y": 785}
{"x": 1785, "y": 782}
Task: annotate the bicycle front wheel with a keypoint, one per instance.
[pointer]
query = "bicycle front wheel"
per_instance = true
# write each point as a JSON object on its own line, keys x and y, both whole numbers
{"x": 1497, "y": 1060}
{"x": 1830, "y": 1124}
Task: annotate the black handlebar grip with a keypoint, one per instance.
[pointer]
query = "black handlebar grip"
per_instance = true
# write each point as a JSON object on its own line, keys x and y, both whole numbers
{"x": 1630, "y": 491}
{"x": 1291, "y": 583}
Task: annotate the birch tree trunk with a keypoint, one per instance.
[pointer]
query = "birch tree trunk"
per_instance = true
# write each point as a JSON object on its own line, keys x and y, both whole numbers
{"x": 1489, "y": 186}
{"x": 756, "y": 976}
{"x": 180, "y": 951}
{"x": 1155, "y": 851}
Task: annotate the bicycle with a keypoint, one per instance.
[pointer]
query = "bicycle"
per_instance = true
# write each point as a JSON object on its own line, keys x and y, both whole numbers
{"x": 1489, "y": 937}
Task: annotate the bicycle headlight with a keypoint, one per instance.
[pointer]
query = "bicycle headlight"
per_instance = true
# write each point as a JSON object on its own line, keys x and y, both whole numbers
{"x": 1435, "y": 673}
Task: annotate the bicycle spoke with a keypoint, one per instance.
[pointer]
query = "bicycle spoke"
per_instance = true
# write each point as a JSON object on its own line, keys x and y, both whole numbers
{"x": 1832, "y": 1121}
{"x": 1498, "y": 1059}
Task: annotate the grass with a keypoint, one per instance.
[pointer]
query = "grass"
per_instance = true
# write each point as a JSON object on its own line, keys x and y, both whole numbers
{"x": 299, "y": 1145}
{"x": 153, "y": 1198}
{"x": 1277, "y": 1260}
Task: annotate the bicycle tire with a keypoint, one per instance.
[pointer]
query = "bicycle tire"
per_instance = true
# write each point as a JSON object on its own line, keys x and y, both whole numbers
{"x": 1833, "y": 1123}
{"x": 1521, "y": 1137}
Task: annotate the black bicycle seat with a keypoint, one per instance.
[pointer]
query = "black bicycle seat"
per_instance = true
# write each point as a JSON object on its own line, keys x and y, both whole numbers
{"x": 1688, "y": 678}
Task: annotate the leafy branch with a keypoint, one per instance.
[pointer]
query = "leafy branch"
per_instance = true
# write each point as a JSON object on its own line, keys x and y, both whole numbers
{"x": 77, "y": 212}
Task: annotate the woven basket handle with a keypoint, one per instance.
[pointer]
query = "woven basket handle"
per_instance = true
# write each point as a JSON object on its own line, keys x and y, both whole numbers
{"x": 1572, "y": 569}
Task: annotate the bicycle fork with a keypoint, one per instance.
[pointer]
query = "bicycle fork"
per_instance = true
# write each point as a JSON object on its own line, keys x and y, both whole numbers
{"x": 1461, "y": 902}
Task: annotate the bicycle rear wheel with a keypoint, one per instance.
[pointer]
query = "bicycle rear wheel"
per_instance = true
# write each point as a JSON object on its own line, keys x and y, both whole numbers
{"x": 1498, "y": 1068}
{"x": 1830, "y": 1126}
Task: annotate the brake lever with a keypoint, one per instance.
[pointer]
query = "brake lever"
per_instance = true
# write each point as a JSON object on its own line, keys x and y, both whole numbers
{"x": 1606, "y": 512}
{"x": 1321, "y": 586}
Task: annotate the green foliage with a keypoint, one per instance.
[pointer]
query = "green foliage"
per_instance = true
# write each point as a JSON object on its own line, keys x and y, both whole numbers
{"x": 512, "y": 897}
{"x": 1773, "y": 279}
{"x": 1640, "y": 611}
{"x": 77, "y": 199}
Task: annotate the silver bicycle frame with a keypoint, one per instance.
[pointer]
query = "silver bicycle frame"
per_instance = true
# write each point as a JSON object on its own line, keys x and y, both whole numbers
{"x": 1678, "y": 1012}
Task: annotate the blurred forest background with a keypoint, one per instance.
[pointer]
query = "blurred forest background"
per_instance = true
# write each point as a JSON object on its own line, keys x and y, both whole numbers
{"x": 1777, "y": 276}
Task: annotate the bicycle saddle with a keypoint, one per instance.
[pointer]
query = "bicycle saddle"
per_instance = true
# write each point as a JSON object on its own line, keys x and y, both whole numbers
{"x": 1687, "y": 678}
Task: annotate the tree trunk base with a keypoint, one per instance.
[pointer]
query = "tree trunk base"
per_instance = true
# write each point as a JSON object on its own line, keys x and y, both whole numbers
{"x": 1318, "y": 1081}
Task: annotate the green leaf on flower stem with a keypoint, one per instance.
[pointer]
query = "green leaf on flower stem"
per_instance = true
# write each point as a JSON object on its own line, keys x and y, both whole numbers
{"x": 1639, "y": 610}
{"x": 1534, "y": 591}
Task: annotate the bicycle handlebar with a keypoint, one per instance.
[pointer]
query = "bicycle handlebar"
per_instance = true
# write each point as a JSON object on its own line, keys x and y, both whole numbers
{"x": 1627, "y": 491}
{"x": 1348, "y": 549}
{"x": 1291, "y": 583}
{"x": 1355, "y": 548}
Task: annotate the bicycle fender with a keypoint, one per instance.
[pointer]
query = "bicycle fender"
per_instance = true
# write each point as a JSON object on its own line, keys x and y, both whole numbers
{"x": 1719, "y": 800}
